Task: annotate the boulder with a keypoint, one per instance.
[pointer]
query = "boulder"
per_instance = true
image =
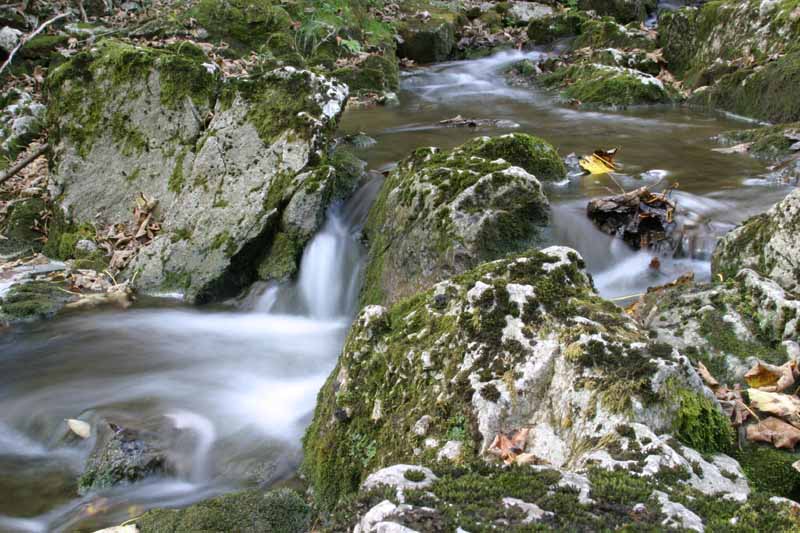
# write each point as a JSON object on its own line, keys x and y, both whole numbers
{"x": 250, "y": 511}
{"x": 122, "y": 456}
{"x": 440, "y": 213}
{"x": 607, "y": 33}
{"x": 21, "y": 121}
{"x": 545, "y": 30}
{"x": 732, "y": 55}
{"x": 766, "y": 142}
{"x": 768, "y": 243}
{"x": 522, "y": 362}
{"x": 223, "y": 160}
{"x": 727, "y": 327}
{"x": 427, "y": 40}
{"x": 525, "y": 12}
{"x": 624, "y": 11}
{"x": 599, "y": 85}
{"x": 639, "y": 217}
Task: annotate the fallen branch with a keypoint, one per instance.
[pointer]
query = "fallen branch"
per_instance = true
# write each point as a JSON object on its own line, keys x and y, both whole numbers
{"x": 22, "y": 164}
{"x": 27, "y": 38}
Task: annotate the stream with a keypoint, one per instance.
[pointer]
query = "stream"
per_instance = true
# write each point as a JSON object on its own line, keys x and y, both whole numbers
{"x": 237, "y": 383}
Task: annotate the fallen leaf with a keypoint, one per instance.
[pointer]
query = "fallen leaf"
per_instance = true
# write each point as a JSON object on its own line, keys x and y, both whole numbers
{"x": 80, "y": 428}
{"x": 508, "y": 446}
{"x": 781, "y": 405}
{"x": 599, "y": 162}
{"x": 772, "y": 378}
{"x": 706, "y": 375}
{"x": 774, "y": 431}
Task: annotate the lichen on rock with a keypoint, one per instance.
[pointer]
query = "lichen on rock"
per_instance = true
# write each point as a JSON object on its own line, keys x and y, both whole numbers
{"x": 519, "y": 342}
{"x": 442, "y": 212}
{"x": 219, "y": 156}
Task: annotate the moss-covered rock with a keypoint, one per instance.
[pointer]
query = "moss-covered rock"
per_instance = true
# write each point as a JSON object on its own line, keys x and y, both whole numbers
{"x": 768, "y": 243}
{"x": 771, "y": 470}
{"x": 35, "y": 300}
{"x": 128, "y": 120}
{"x": 517, "y": 343}
{"x": 767, "y": 142}
{"x": 379, "y": 72}
{"x": 251, "y": 511}
{"x": 622, "y": 10}
{"x": 547, "y": 29}
{"x": 21, "y": 121}
{"x": 427, "y": 41}
{"x": 22, "y": 217}
{"x": 606, "y": 86}
{"x": 606, "y": 33}
{"x": 440, "y": 213}
{"x": 244, "y": 24}
{"x": 122, "y": 456}
{"x": 763, "y": 92}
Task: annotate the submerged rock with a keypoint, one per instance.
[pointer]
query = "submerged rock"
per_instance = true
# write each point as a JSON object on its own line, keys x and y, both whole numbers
{"x": 440, "y": 213}
{"x": 517, "y": 343}
{"x": 122, "y": 456}
{"x": 223, "y": 161}
{"x": 768, "y": 244}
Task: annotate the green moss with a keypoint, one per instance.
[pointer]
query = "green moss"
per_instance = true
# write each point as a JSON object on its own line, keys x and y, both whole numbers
{"x": 771, "y": 471}
{"x": 21, "y": 219}
{"x": 33, "y": 301}
{"x": 606, "y": 33}
{"x": 721, "y": 335}
{"x": 83, "y": 87}
{"x": 699, "y": 424}
{"x": 253, "y": 511}
{"x": 602, "y": 85}
{"x": 533, "y": 154}
{"x": 281, "y": 262}
{"x": 763, "y": 92}
{"x": 376, "y": 73}
{"x": 769, "y": 142}
{"x": 181, "y": 234}
{"x": 245, "y": 24}
{"x": 547, "y": 29}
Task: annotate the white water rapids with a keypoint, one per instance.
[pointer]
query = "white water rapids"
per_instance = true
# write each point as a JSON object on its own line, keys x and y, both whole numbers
{"x": 233, "y": 390}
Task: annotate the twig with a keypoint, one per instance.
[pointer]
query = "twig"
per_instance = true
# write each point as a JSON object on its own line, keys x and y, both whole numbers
{"x": 27, "y": 38}
{"x": 24, "y": 163}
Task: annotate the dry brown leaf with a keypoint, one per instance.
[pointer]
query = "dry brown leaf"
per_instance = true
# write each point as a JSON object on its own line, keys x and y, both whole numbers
{"x": 508, "y": 446}
{"x": 706, "y": 375}
{"x": 783, "y": 406}
{"x": 774, "y": 431}
{"x": 772, "y": 378}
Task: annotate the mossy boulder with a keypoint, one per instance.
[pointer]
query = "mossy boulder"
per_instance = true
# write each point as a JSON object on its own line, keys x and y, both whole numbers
{"x": 21, "y": 121}
{"x": 34, "y": 300}
{"x": 122, "y": 456}
{"x": 244, "y": 24}
{"x": 607, "y": 33}
{"x": 545, "y": 30}
{"x": 763, "y": 92}
{"x": 601, "y": 85}
{"x": 442, "y": 212}
{"x": 624, "y": 11}
{"x": 18, "y": 229}
{"x": 427, "y": 41}
{"x": 378, "y": 72}
{"x": 127, "y": 120}
{"x": 251, "y": 511}
{"x": 522, "y": 342}
{"x": 767, "y": 142}
{"x": 768, "y": 243}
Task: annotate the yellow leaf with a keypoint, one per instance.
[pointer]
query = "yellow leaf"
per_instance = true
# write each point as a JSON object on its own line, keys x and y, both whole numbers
{"x": 781, "y": 405}
{"x": 599, "y": 162}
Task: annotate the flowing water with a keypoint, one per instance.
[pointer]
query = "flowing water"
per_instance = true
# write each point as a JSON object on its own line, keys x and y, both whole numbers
{"x": 232, "y": 388}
